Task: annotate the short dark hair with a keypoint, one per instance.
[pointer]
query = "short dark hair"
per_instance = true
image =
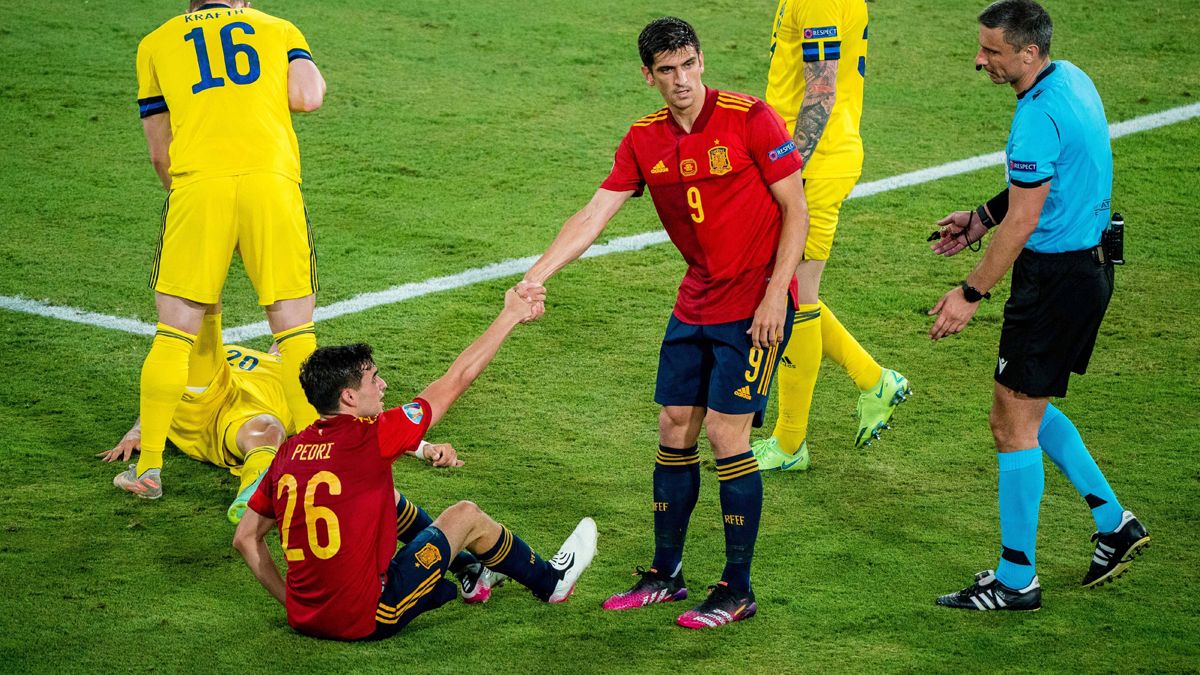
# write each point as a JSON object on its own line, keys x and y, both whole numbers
{"x": 1024, "y": 23}
{"x": 329, "y": 370}
{"x": 667, "y": 34}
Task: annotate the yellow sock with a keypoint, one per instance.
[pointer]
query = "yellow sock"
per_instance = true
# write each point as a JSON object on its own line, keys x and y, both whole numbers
{"x": 256, "y": 462}
{"x": 164, "y": 376}
{"x": 295, "y": 344}
{"x": 803, "y": 353}
{"x": 839, "y": 345}
{"x": 208, "y": 354}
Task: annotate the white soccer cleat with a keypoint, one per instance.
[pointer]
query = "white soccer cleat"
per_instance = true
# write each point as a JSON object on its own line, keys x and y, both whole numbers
{"x": 573, "y": 558}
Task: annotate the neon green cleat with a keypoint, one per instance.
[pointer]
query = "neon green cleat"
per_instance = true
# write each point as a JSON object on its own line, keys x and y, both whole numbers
{"x": 771, "y": 458}
{"x": 239, "y": 505}
{"x": 876, "y": 405}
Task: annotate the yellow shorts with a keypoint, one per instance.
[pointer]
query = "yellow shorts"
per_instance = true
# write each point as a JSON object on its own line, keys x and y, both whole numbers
{"x": 825, "y": 197}
{"x": 205, "y": 425}
{"x": 260, "y": 215}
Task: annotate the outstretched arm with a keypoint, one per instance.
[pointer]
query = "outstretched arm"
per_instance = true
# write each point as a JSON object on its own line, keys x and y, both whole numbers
{"x": 576, "y": 235}
{"x": 1025, "y": 207}
{"x": 444, "y": 391}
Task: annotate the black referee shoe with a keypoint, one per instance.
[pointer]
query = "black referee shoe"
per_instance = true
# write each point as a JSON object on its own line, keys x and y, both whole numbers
{"x": 1116, "y": 550}
{"x": 988, "y": 594}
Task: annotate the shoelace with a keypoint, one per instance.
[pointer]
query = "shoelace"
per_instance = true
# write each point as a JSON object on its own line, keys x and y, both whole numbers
{"x": 716, "y": 594}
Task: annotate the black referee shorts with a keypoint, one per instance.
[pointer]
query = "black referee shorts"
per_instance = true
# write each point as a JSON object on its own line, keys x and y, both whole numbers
{"x": 1051, "y": 320}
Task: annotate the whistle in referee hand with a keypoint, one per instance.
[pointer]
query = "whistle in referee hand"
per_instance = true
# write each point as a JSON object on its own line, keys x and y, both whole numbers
{"x": 934, "y": 236}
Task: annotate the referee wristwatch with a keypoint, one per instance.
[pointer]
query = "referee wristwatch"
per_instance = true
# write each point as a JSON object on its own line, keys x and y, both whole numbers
{"x": 972, "y": 294}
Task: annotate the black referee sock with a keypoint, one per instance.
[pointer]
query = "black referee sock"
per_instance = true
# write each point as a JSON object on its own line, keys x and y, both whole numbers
{"x": 676, "y": 488}
{"x": 512, "y": 557}
{"x": 741, "y": 509}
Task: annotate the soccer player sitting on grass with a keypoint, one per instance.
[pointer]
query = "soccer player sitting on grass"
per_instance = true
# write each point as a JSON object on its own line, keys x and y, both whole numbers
{"x": 235, "y": 416}
{"x": 330, "y": 492}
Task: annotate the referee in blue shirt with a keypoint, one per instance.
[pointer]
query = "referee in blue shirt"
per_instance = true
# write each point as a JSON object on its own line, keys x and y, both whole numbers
{"x": 1048, "y": 227}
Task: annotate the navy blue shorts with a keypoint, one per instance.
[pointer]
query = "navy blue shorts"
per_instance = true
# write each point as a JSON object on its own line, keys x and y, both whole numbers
{"x": 717, "y": 367}
{"x": 415, "y": 583}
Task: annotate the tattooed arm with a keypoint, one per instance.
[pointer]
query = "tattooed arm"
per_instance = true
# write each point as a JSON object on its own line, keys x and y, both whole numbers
{"x": 820, "y": 92}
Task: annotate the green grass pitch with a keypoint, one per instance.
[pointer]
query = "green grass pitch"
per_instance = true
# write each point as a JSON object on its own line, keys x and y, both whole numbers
{"x": 458, "y": 134}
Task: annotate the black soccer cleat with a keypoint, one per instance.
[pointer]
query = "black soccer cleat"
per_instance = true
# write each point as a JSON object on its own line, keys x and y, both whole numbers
{"x": 1116, "y": 550}
{"x": 723, "y": 605}
{"x": 988, "y": 594}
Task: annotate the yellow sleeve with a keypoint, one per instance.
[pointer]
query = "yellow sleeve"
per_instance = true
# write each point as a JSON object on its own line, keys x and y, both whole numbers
{"x": 822, "y": 26}
{"x": 150, "y": 96}
{"x": 297, "y": 46}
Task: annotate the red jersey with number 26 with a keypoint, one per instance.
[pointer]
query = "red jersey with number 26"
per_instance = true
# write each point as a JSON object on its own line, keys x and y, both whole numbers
{"x": 711, "y": 190}
{"x": 330, "y": 489}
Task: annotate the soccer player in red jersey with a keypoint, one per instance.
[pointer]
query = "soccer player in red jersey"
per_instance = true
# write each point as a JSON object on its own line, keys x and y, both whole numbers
{"x": 330, "y": 491}
{"x": 724, "y": 175}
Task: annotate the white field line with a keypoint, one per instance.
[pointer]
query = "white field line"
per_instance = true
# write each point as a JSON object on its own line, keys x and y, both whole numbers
{"x": 508, "y": 268}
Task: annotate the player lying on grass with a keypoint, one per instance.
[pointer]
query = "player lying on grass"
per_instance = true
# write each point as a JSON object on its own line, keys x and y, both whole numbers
{"x": 330, "y": 493}
{"x": 233, "y": 414}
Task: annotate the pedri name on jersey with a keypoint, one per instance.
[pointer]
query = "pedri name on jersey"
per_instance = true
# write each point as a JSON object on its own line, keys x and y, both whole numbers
{"x": 307, "y": 451}
{"x": 201, "y": 16}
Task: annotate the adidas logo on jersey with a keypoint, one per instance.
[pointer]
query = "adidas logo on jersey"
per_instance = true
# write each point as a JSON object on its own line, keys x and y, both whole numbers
{"x": 659, "y": 168}
{"x": 744, "y": 392}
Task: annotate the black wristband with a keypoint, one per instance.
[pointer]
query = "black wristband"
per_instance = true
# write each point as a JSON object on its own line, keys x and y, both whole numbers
{"x": 972, "y": 294}
{"x": 984, "y": 218}
{"x": 993, "y": 211}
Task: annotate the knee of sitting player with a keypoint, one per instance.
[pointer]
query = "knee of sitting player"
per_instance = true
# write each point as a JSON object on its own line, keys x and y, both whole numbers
{"x": 260, "y": 431}
{"x": 464, "y": 511}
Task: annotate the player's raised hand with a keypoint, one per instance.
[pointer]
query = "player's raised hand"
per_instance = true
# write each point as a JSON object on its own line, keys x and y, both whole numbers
{"x": 535, "y": 294}
{"x": 442, "y": 455}
{"x": 520, "y": 309}
{"x": 131, "y": 442}
{"x": 957, "y": 230}
{"x": 769, "y": 321}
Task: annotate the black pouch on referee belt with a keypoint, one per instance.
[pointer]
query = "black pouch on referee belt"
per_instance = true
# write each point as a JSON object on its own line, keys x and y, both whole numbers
{"x": 1113, "y": 240}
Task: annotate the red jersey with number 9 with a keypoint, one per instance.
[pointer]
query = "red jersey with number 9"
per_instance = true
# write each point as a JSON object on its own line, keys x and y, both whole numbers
{"x": 711, "y": 190}
{"x": 330, "y": 490}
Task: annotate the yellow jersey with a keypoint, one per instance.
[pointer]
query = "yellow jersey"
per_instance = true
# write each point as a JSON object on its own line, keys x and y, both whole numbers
{"x": 222, "y": 73}
{"x": 822, "y": 30}
{"x": 251, "y": 385}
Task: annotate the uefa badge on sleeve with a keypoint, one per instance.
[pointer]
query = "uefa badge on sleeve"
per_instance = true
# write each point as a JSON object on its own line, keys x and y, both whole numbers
{"x": 413, "y": 412}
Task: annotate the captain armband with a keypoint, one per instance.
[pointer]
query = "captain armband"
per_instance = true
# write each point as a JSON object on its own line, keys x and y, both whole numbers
{"x": 992, "y": 212}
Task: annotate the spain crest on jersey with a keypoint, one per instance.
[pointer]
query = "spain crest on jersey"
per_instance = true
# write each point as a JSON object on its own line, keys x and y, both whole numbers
{"x": 718, "y": 161}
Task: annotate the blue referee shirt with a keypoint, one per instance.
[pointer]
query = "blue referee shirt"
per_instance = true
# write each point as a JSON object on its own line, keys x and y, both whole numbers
{"x": 1059, "y": 134}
